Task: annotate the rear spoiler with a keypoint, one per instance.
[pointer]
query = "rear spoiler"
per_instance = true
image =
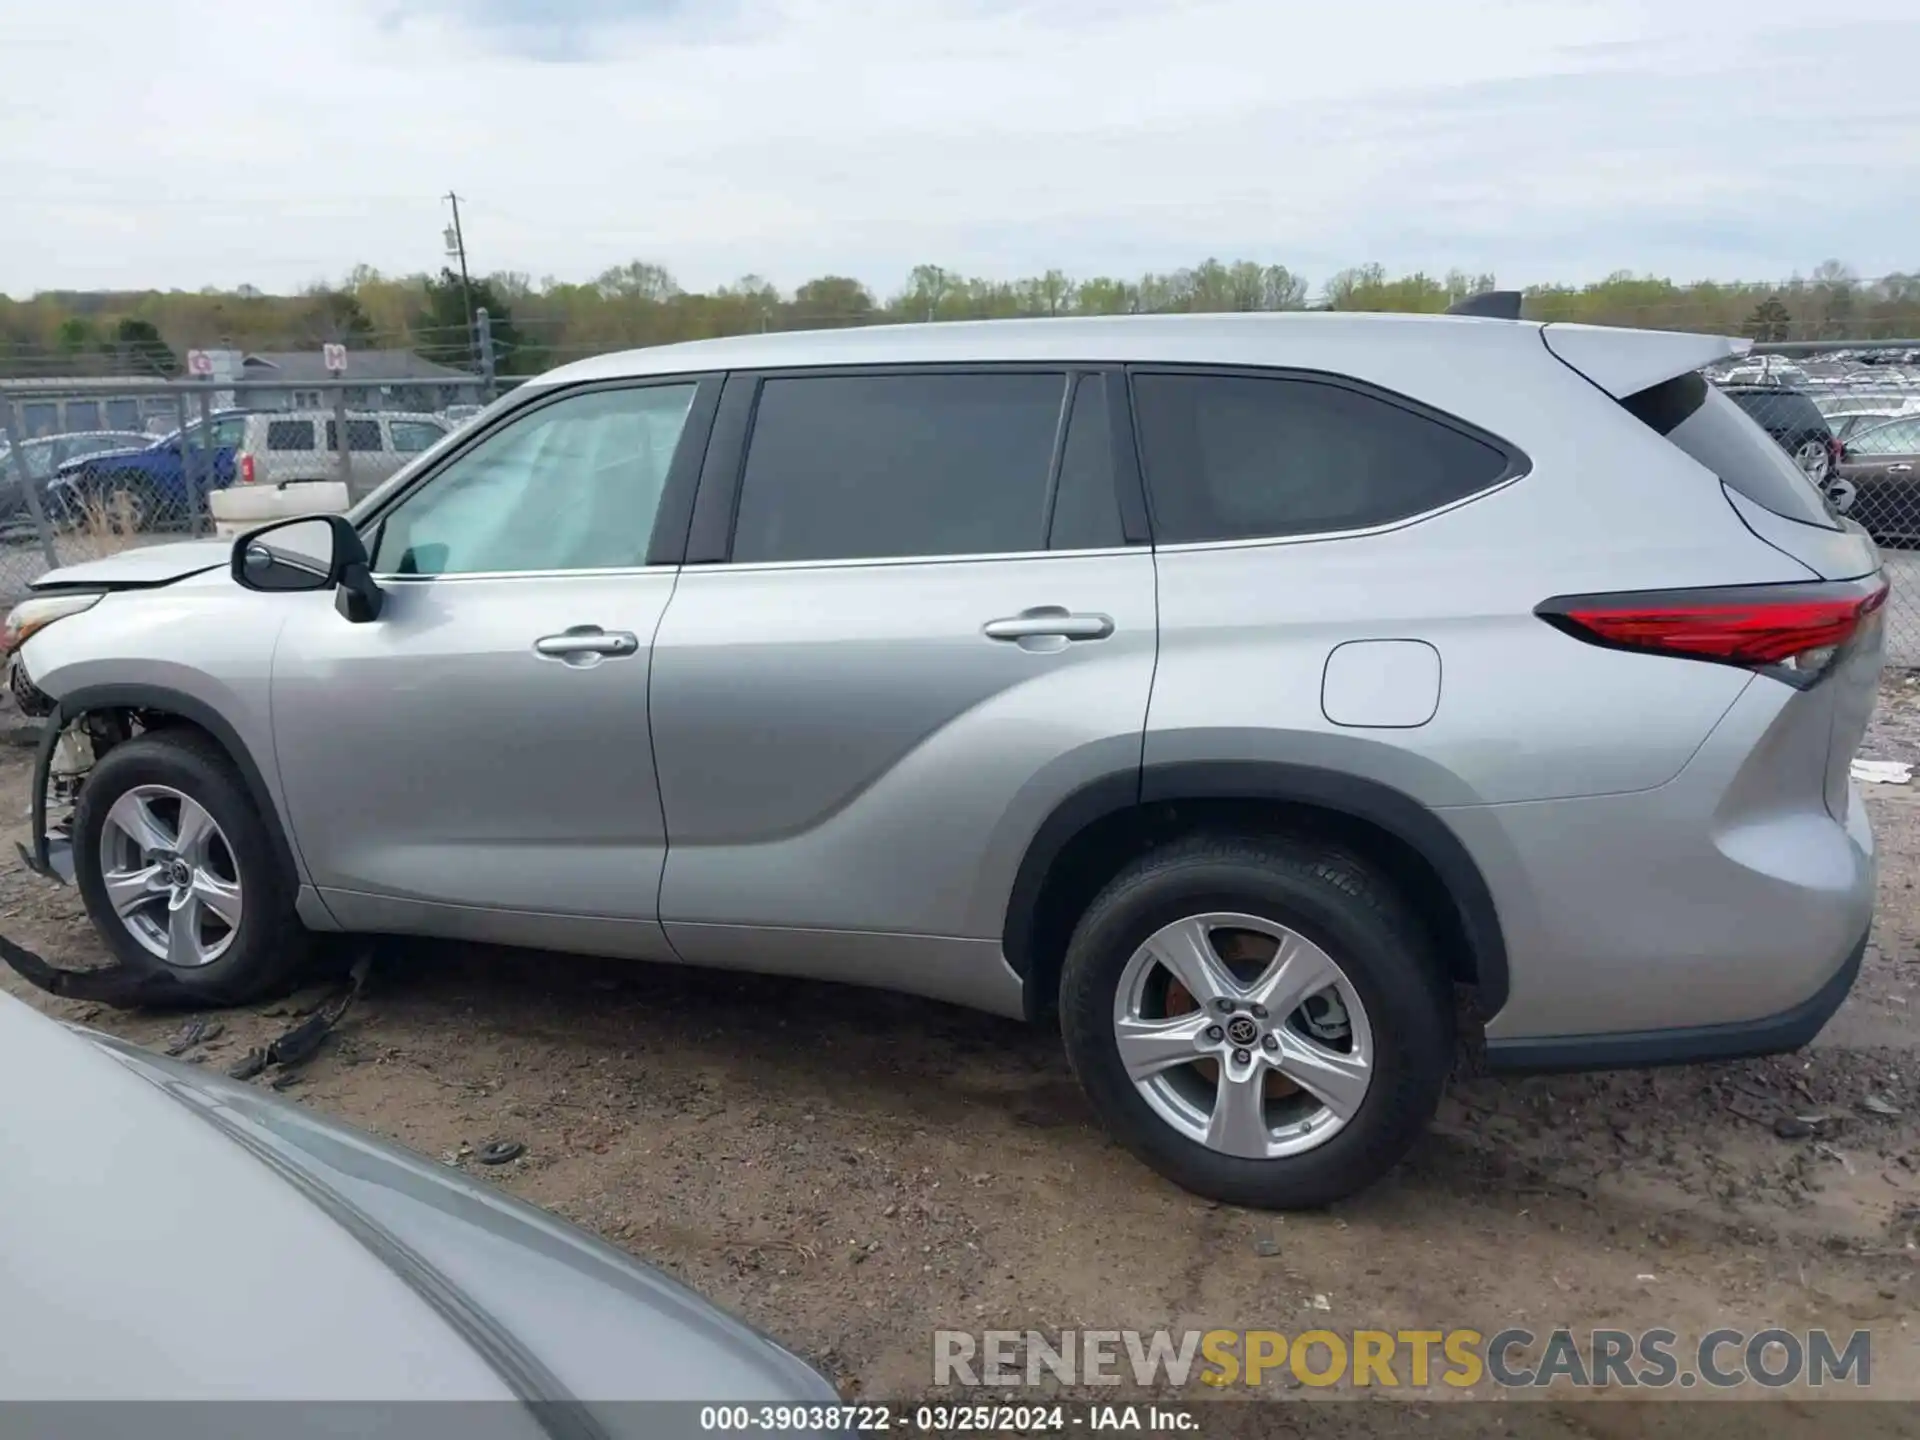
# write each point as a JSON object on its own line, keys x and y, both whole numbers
{"x": 1621, "y": 362}
{"x": 1625, "y": 362}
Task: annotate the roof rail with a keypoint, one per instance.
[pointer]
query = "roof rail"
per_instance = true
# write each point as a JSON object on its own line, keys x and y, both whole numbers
{"x": 1490, "y": 305}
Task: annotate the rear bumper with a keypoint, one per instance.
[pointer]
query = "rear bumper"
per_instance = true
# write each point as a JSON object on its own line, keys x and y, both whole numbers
{"x": 1770, "y": 1035}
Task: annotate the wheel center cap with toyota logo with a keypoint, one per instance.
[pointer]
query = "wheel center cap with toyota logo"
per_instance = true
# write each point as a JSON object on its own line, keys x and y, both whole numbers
{"x": 1242, "y": 1031}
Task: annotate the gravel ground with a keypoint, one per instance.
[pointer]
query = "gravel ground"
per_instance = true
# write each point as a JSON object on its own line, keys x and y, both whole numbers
{"x": 851, "y": 1170}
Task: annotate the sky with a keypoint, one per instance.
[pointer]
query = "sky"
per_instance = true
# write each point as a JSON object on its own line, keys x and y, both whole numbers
{"x": 153, "y": 143}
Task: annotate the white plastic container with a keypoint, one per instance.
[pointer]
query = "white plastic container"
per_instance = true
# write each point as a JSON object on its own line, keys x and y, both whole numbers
{"x": 240, "y": 508}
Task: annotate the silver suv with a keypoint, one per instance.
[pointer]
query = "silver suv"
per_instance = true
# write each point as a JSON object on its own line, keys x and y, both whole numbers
{"x": 300, "y": 446}
{"x": 1225, "y": 690}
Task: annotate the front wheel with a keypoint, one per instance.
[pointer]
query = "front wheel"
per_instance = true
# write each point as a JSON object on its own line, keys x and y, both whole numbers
{"x": 178, "y": 870}
{"x": 1259, "y": 1019}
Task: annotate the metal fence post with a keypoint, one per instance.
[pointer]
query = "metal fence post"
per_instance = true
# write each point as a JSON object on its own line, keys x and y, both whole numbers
{"x": 344, "y": 459}
{"x": 30, "y": 492}
{"x": 182, "y": 415}
{"x": 208, "y": 465}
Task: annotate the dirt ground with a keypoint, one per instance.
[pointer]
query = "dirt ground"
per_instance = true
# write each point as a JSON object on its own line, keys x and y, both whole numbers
{"x": 851, "y": 1170}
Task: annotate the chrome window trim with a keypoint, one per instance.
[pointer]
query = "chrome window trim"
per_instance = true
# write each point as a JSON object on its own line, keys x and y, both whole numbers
{"x": 601, "y": 572}
{"x": 875, "y": 561}
{"x": 1311, "y": 537}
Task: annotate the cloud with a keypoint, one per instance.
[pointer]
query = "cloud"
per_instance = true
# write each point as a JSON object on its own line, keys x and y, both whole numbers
{"x": 285, "y": 143}
{"x": 562, "y": 30}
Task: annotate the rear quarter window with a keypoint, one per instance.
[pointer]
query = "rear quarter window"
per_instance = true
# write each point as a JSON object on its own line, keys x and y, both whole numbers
{"x": 1235, "y": 457}
{"x": 1711, "y": 428}
{"x": 410, "y": 437}
{"x": 1780, "y": 411}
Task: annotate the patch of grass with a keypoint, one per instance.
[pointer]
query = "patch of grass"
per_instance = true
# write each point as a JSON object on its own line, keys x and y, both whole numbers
{"x": 108, "y": 524}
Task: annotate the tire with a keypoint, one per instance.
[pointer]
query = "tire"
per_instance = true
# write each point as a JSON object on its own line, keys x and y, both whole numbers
{"x": 1327, "y": 901}
{"x": 1814, "y": 459}
{"x": 126, "y": 505}
{"x": 225, "y": 964}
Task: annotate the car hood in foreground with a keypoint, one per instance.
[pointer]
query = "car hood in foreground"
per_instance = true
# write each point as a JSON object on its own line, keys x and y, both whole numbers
{"x": 141, "y": 566}
{"x": 176, "y": 1235}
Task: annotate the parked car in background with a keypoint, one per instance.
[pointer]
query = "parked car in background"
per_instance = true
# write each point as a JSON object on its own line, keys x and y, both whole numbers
{"x": 1082, "y": 670}
{"x": 1840, "y": 405}
{"x": 1795, "y": 423}
{"x": 146, "y": 487}
{"x": 1879, "y": 463}
{"x": 304, "y": 445}
{"x": 289, "y": 1257}
{"x": 45, "y": 455}
{"x": 1762, "y": 370}
{"x": 461, "y": 414}
{"x": 249, "y": 448}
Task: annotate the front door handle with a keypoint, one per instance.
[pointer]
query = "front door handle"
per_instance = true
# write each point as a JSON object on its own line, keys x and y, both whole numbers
{"x": 1901, "y": 469}
{"x": 1048, "y": 622}
{"x": 585, "y": 644}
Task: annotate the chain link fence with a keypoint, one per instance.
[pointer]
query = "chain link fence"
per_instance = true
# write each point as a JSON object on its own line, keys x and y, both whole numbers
{"x": 92, "y": 466}
{"x": 1849, "y": 417}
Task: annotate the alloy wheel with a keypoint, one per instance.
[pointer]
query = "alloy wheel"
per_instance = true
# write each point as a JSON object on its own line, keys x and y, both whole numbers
{"x": 1243, "y": 1035}
{"x": 1815, "y": 459}
{"x": 170, "y": 876}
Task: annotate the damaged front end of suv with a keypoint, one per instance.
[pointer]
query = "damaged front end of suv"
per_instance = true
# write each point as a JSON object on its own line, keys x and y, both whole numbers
{"x": 69, "y": 746}
{"x": 76, "y": 734}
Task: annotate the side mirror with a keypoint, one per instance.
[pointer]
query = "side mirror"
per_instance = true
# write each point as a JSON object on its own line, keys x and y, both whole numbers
{"x": 315, "y": 552}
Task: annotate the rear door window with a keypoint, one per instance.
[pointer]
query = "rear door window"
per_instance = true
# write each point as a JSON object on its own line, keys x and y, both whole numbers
{"x": 362, "y": 435}
{"x": 857, "y": 467}
{"x": 290, "y": 435}
{"x": 1724, "y": 437}
{"x": 1234, "y": 457}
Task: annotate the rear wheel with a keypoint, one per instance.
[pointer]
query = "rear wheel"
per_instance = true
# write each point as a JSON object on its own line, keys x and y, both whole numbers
{"x": 178, "y": 870}
{"x": 1258, "y": 1019}
{"x": 1815, "y": 459}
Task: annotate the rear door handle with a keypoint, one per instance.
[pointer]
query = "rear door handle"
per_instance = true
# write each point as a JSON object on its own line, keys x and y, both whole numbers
{"x": 1901, "y": 469}
{"x": 1049, "y": 622}
{"x": 585, "y": 644}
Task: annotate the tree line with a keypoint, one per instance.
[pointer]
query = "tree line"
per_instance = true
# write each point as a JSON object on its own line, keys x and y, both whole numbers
{"x": 535, "y": 324}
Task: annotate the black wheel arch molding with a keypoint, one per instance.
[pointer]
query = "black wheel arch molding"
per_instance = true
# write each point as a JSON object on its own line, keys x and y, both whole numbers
{"x": 159, "y": 699}
{"x": 1373, "y": 803}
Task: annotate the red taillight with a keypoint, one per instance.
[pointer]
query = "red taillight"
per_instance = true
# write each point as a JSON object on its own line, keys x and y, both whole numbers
{"x": 1795, "y": 626}
{"x": 246, "y": 469}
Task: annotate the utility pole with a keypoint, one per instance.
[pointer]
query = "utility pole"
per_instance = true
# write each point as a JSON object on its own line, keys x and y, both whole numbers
{"x": 457, "y": 245}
